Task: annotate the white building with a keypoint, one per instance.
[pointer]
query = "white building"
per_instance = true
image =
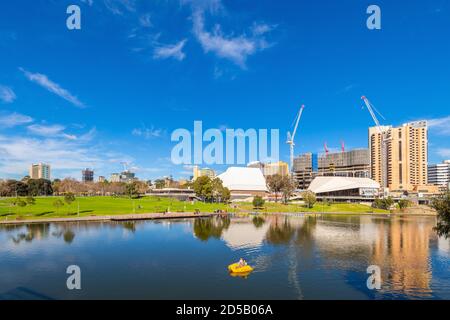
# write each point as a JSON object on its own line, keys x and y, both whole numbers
{"x": 244, "y": 182}
{"x": 439, "y": 174}
{"x": 344, "y": 187}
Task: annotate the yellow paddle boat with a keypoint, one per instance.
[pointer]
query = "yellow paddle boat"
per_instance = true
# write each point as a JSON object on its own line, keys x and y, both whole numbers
{"x": 236, "y": 268}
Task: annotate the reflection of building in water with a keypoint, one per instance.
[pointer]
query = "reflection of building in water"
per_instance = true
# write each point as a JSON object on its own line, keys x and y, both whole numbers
{"x": 444, "y": 244}
{"x": 402, "y": 252}
{"x": 244, "y": 235}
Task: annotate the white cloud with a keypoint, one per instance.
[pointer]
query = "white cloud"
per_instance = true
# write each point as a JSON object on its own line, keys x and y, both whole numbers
{"x": 64, "y": 155}
{"x": 148, "y": 133}
{"x": 145, "y": 20}
{"x": 440, "y": 125}
{"x": 119, "y": 7}
{"x": 7, "y": 95}
{"x": 45, "y": 82}
{"x": 170, "y": 51}
{"x": 234, "y": 48}
{"x": 444, "y": 152}
{"x": 46, "y": 131}
{"x": 13, "y": 119}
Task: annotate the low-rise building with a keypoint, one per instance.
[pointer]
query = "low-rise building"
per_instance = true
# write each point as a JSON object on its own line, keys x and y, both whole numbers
{"x": 345, "y": 188}
{"x": 244, "y": 182}
{"x": 439, "y": 174}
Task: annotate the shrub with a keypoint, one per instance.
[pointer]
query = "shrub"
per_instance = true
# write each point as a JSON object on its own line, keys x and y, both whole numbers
{"x": 258, "y": 202}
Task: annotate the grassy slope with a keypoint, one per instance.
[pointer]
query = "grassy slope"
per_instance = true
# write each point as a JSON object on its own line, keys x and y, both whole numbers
{"x": 90, "y": 206}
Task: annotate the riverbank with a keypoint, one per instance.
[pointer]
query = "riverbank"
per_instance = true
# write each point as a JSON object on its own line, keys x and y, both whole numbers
{"x": 125, "y": 217}
{"x": 99, "y": 208}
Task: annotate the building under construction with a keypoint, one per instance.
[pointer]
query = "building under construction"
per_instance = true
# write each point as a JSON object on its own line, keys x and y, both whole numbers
{"x": 354, "y": 163}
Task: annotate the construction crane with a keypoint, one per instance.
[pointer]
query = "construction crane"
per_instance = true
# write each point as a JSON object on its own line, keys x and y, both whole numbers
{"x": 290, "y": 137}
{"x": 384, "y": 139}
{"x": 125, "y": 166}
{"x": 342, "y": 146}
{"x": 326, "y": 148}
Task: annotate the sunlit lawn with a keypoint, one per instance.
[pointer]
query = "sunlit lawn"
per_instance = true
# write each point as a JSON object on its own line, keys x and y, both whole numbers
{"x": 100, "y": 206}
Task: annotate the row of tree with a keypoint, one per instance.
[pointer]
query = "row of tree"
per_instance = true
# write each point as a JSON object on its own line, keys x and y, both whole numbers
{"x": 42, "y": 187}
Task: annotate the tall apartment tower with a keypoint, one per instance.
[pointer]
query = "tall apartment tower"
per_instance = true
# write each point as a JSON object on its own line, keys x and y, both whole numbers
{"x": 87, "y": 175}
{"x": 406, "y": 156}
{"x": 40, "y": 171}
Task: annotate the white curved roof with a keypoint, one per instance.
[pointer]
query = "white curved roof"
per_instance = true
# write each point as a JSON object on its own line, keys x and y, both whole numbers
{"x": 243, "y": 179}
{"x": 330, "y": 184}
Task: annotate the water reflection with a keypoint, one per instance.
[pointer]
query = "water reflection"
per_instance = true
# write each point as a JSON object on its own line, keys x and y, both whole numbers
{"x": 294, "y": 257}
{"x": 204, "y": 229}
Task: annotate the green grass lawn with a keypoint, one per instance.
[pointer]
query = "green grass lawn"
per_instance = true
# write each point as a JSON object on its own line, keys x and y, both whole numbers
{"x": 100, "y": 206}
{"x": 318, "y": 207}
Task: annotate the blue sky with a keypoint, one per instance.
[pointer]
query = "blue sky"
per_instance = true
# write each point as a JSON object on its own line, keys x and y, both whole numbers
{"x": 114, "y": 91}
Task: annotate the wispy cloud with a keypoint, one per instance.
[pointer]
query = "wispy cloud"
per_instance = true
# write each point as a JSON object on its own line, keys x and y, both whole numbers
{"x": 9, "y": 120}
{"x": 174, "y": 51}
{"x": 145, "y": 20}
{"x": 7, "y": 95}
{"x": 53, "y": 131}
{"x": 444, "y": 152}
{"x": 234, "y": 48}
{"x": 119, "y": 7}
{"x": 440, "y": 125}
{"x": 148, "y": 133}
{"x": 45, "y": 82}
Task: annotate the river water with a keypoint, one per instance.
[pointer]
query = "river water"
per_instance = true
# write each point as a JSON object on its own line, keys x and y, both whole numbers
{"x": 294, "y": 258}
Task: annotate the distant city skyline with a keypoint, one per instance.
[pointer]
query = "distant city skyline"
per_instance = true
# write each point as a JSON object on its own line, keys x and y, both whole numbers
{"x": 113, "y": 92}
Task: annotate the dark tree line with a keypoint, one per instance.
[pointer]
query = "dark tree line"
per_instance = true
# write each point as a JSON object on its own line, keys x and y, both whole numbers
{"x": 29, "y": 187}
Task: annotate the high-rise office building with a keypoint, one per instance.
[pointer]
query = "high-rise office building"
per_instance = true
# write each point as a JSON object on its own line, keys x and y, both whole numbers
{"x": 87, "y": 175}
{"x": 353, "y": 163}
{"x": 439, "y": 174}
{"x": 403, "y": 164}
{"x": 40, "y": 171}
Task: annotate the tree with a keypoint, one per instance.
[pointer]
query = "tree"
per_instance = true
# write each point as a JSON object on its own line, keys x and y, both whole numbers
{"x": 275, "y": 183}
{"x": 30, "y": 200}
{"x": 160, "y": 183}
{"x": 58, "y": 204}
{"x": 39, "y": 187}
{"x": 309, "y": 198}
{"x": 131, "y": 190}
{"x": 287, "y": 189}
{"x": 385, "y": 203}
{"x": 69, "y": 198}
{"x": 20, "y": 203}
{"x": 211, "y": 190}
{"x": 442, "y": 205}
{"x": 258, "y": 202}
{"x": 403, "y": 204}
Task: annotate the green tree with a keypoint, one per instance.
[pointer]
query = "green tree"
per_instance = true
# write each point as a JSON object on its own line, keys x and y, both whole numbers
{"x": 258, "y": 202}
{"x": 160, "y": 183}
{"x": 131, "y": 190}
{"x": 20, "y": 203}
{"x": 30, "y": 200}
{"x": 39, "y": 187}
{"x": 442, "y": 205}
{"x": 403, "y": 204}
{"x": 69, "y": 198}
{"x": 309, "y": 198}
{"x": 58, "y": 204}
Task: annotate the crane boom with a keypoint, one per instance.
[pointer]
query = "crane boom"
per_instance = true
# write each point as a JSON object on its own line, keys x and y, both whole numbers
{"x": 384, "y": 139}
{"x": 290, "y": 139}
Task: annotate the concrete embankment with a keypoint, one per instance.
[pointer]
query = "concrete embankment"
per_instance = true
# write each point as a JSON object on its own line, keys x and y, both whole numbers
{"x": 124, "y": 217}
